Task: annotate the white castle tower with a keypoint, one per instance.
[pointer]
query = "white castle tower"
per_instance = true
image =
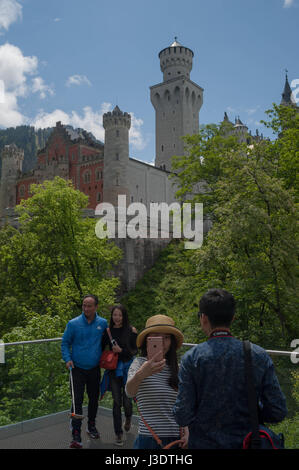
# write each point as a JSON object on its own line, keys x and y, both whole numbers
{"x": 12, "y": 161}
{"x": 177, "y": 101}
{"x": 116, "y": 155}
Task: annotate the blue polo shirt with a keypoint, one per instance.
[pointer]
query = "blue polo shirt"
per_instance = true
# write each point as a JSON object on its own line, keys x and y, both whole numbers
{"x": 81, "y": 341}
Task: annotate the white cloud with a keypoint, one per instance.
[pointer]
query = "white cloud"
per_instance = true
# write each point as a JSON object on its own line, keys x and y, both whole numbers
{"x": 136, "y": 137}
{"x": 91, "y": 121}
{"x": 56, "y": 20}
{"x": 77, "y": 80}
{"x": 288, "y": 3}
{"x": 15, "y": 70}
{"x": 39, "y": 86}
{"x": 252, "y": 111}
{"x": 10, "y": 12}
{"x": 10, "y": 116}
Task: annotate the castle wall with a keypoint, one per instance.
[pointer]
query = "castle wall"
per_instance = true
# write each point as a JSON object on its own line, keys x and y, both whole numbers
{"x": 149, "y": 184}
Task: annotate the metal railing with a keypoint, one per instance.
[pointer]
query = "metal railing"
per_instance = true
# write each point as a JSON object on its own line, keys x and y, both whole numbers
{"x": 271, "y": 352}
{"x": 34, "y": 380}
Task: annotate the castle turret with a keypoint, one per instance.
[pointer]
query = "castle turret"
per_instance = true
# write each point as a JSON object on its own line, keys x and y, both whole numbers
{"x": 12, "y": 161}
{"x": 287, "y": 98}
{"x": 177, "y": 101}
{"x": 116, "y": 155}
{"x": 240, "y": 130}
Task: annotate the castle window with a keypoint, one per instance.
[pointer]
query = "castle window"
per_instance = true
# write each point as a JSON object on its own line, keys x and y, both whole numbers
{"x": 117, "y": 183}
{"x": 98, "y": 174}
{"x": 117, "y": 133}
{"x": 87, "y": 176}
{"x": 99, "y": 197}
{"x": 117, "y": 156}
{"x": 22, "y": 191}
{"x": 162, "y": 148}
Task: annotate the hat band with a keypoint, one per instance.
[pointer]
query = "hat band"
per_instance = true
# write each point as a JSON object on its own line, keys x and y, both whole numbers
{"x": 161, "y": 324}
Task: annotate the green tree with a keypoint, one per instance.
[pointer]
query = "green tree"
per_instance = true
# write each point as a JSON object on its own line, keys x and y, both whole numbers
{"x": 54, "y": 258}
{"x": 252, "y": 248}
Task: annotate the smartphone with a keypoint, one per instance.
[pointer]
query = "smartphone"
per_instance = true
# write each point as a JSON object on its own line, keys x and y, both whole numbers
{"x": 155, "y": 345}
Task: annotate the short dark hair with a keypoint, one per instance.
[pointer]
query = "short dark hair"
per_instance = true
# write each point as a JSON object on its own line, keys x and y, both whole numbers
{"x": 219, "y": 306}
{"x": 94, "y": 297}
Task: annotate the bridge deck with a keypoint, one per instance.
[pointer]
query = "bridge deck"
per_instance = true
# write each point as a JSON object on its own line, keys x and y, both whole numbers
{"x": 53, "y": 432}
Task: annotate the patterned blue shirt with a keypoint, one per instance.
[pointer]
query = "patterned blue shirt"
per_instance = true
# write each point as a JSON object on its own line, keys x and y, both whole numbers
{"x": 212, "y": 398}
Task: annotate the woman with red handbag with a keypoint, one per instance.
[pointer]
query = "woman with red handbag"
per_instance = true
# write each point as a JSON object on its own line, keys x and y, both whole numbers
{"x": 122, "y": 341}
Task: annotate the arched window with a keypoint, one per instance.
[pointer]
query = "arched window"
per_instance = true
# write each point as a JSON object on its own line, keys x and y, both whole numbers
{"x": 99, "y": 197}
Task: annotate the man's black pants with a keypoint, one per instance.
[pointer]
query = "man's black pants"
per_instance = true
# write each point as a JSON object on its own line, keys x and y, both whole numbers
{"x": 91, "y": 380}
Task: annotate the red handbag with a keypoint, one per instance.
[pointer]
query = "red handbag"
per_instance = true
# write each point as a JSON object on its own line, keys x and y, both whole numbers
{"x": 109, "y": 359}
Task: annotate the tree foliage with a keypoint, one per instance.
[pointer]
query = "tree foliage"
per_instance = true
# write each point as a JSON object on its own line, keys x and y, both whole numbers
{"x": 53, "y": 259}
{"x": 250, "y": 194}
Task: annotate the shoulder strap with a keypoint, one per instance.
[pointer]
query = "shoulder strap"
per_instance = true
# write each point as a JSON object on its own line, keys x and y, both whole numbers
{"x": 157, "y": 439}
{"x": 109, "y": 334}
{"x": 252, "y": 398}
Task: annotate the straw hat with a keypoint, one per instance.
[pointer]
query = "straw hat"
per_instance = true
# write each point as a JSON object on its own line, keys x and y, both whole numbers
{"x": 160, "y": 324}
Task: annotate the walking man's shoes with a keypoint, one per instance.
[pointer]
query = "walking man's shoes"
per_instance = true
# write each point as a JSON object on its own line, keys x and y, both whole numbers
{"x": 76, "y": 442}
{"x": 127, "y": 425}
{"x": 119, "y": 440}
{"x": 92, "y": 430}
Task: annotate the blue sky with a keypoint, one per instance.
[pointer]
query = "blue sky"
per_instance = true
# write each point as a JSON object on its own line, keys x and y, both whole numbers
{"x": 72, "y": 60}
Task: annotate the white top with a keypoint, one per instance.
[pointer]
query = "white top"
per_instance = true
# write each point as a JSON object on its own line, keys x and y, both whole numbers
{"x": 155, "y": 400}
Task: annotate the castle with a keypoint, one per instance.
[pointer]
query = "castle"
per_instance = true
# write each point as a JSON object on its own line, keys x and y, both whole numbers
{"x": 104, "y": 170}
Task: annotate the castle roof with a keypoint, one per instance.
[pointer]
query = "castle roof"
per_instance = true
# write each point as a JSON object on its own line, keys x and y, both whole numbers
{"x": 238, "y": 122}
{"x": 77, "y": 135}
{"x": 176, "y": 43}
{"x": 287, "y": 95}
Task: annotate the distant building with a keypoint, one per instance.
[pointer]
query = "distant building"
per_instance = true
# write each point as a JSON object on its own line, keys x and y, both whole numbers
{"x": 104, "y": 170}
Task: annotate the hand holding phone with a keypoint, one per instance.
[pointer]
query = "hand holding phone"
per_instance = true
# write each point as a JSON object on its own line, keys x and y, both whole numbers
{"x": 155, "y": 348}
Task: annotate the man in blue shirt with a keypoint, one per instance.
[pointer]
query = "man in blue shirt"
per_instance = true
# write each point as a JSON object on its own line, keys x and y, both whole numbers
{"x": 81, "y": 350}
{"x": 212, "y": 397}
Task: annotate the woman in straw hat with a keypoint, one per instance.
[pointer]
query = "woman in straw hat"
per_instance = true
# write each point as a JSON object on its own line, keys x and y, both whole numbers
{"x": 154, "y": 383}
